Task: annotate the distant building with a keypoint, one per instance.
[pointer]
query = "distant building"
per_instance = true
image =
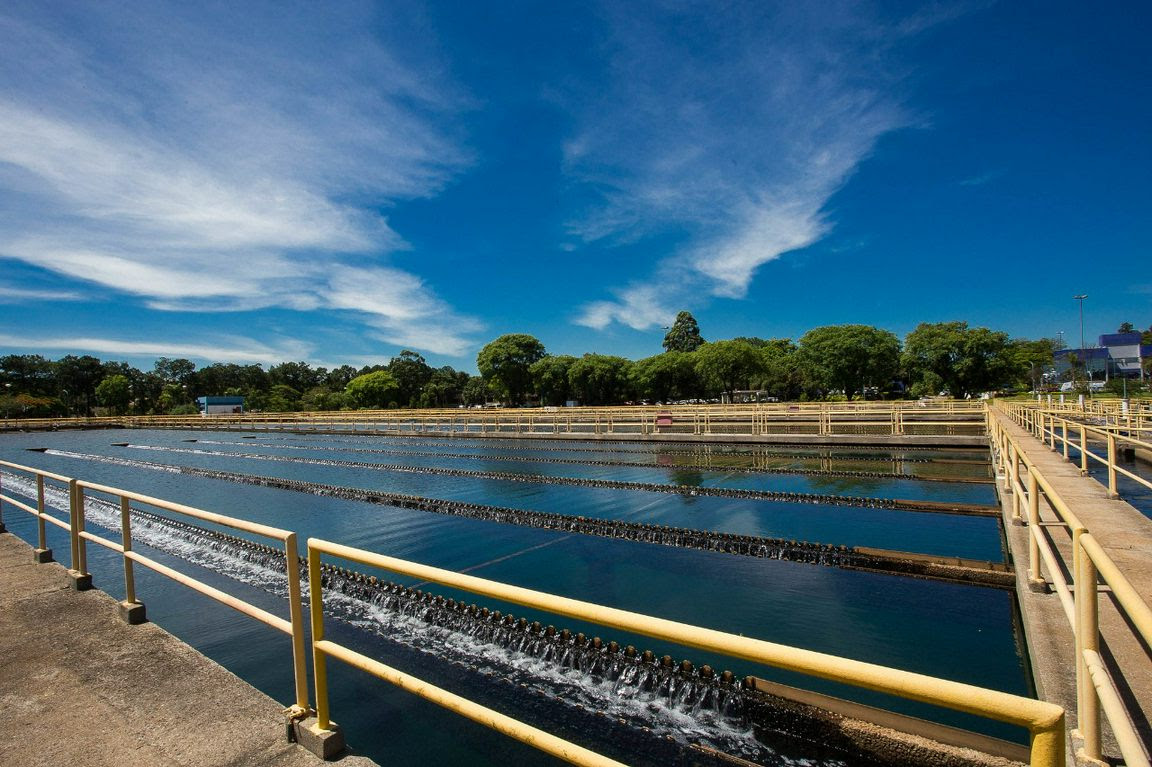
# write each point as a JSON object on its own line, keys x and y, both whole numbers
{"x": 1119, "y": 355}
{"x": 220, "y": 405}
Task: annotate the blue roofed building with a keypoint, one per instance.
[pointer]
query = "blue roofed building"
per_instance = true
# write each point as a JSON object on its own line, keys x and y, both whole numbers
{"x": 1118, "y": 355}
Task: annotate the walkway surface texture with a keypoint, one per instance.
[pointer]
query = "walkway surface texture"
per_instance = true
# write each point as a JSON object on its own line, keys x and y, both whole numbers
{"x": 79, "y": 686}
{"x": 1126, "y": 535}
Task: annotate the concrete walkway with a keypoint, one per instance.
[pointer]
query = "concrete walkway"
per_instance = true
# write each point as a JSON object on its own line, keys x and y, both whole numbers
{"x": 1126, "y": 536}
{"x": 78, "y": 686}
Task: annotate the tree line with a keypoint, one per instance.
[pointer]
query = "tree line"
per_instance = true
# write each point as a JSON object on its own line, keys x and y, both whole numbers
{"x": 835, "y": 361}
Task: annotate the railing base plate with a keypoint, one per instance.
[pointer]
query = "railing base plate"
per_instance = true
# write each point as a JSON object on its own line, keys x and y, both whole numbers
{"x": 79, "y": 581}
{"x": 132, "y": 613}
{"x": 42, "y": 556}
{"x": 326, "y": 744}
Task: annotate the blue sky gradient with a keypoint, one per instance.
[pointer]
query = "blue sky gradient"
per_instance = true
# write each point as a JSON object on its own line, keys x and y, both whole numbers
{"x": 263, "y": 182}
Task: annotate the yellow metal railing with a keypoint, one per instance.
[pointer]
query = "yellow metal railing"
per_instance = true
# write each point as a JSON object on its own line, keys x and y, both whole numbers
{"x": 43, "y": 551}
{"x": 77, "y": 490}
{"x": 1067, "y": 434}
{"x": 1090, "y": 564}
{"x": 1044, "y": 721}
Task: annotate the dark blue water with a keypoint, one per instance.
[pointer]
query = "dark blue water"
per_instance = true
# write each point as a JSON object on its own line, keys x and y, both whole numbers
{"x": 957, "y": 632}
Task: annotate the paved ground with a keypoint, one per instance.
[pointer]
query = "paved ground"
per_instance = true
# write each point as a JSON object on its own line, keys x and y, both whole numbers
{"x": 80, "y": 687}
{"x": 1126, "y": 535}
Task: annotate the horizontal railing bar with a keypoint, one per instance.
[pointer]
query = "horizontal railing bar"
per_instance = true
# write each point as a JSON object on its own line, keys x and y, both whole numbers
{"x": 207, "y": 516}
{"x": 31, "y": 470}
{"x": 1057, "y": 576}
{"x": 1013, "y": 709}
{"x": 513, "y": 728}
{"x": 239, "y": 605}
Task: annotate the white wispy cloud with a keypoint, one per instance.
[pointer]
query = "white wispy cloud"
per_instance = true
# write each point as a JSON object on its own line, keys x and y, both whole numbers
{"x": 221, "y": 349}
{"x": 215, "y": 159}
{"x": 734, "y": 125}
{"x": 16, "y": 295}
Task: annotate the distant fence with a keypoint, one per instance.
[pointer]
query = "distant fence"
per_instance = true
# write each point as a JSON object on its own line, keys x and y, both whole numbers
{"x": 923, "y": 418}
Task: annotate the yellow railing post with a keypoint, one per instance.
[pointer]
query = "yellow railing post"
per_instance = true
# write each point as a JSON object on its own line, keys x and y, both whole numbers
{"x": 1034, "y": 525}
{"x": 1087, "y": 638}
{"x": 1083, "y": 450}
{"x": 1064, "y": 436}
{"x": 296, "y": 617}
{"x": 126, "y": 542}
{"x": 41, "y": 532}
{"x": 73, "y": 529}
{"x": 1112, "y": 491}
{"x": 319, "y": 662}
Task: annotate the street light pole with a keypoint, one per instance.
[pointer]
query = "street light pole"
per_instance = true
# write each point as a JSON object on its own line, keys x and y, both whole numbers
{"x": 1083, "y": 359}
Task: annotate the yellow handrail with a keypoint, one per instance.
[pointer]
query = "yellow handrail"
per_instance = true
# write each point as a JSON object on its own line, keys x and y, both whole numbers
{"x": 1079, "y": 599}
{"x": 1045, "y": 721}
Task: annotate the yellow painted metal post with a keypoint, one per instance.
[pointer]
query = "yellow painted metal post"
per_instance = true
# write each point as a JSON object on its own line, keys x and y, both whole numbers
{"x": 1034, "y": 525}
{"x": 1083, "y": 449}
{"x": 126, "y": 542}
{"x": 1048, "y": 744}
{"x": 1087, "y": 638}
{"x": 319, "y": 660}
{"x": 296, "y": 615}
{"x": 1112, "y": 492}
{"x": 1064, "y": 436}
{"x": 41, "y": 533}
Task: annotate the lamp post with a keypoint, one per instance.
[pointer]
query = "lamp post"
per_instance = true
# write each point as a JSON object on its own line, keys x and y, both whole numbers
{"x": 1083, "y": 360}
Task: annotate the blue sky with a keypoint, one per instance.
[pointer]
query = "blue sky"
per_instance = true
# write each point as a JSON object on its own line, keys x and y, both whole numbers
{"x": 335, "y": 182}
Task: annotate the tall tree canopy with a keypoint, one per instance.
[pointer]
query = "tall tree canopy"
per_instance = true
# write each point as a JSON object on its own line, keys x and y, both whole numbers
{"x": 375, "y": 390}
{"x": 726, "y": 366}
{"x": 964, "y": 360}
{"x": 684, "y": 335}
{"x": 505, "y": 364}
{"x": 550, "y": 377}
{"x": 600, "y": 379}
{"x": 850, "y": 357}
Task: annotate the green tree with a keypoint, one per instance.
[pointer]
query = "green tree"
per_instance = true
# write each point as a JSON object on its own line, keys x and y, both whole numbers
{"x": 114, "y": 393}
{"x": 600, "y": 379}
{"x": 177, "y": 371}
{"x": 684, "y": 335}
{"x": 781, "y": 372}
{"x": 967, "y": 360}
{"x": 476, "y": 391}
{"x": 506, "y": 362}
{"x": 445, "y": 388}
{"x": 550, "y": 378}
{"x": 850, "y": 358}
{"x": 372, "y": 390}
{"x": 296, "y": 375}
{"x": 27, "y": 374}
{"x": 1126, "y": 327}
{"x": 321, "y": 398}
{"x": 666, "y": 377}
{"x": 726, "y": 366}
{"x": 1031, "y": 360}
{"x": 77, "y": 379}
{"x": 411, "y": 373}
